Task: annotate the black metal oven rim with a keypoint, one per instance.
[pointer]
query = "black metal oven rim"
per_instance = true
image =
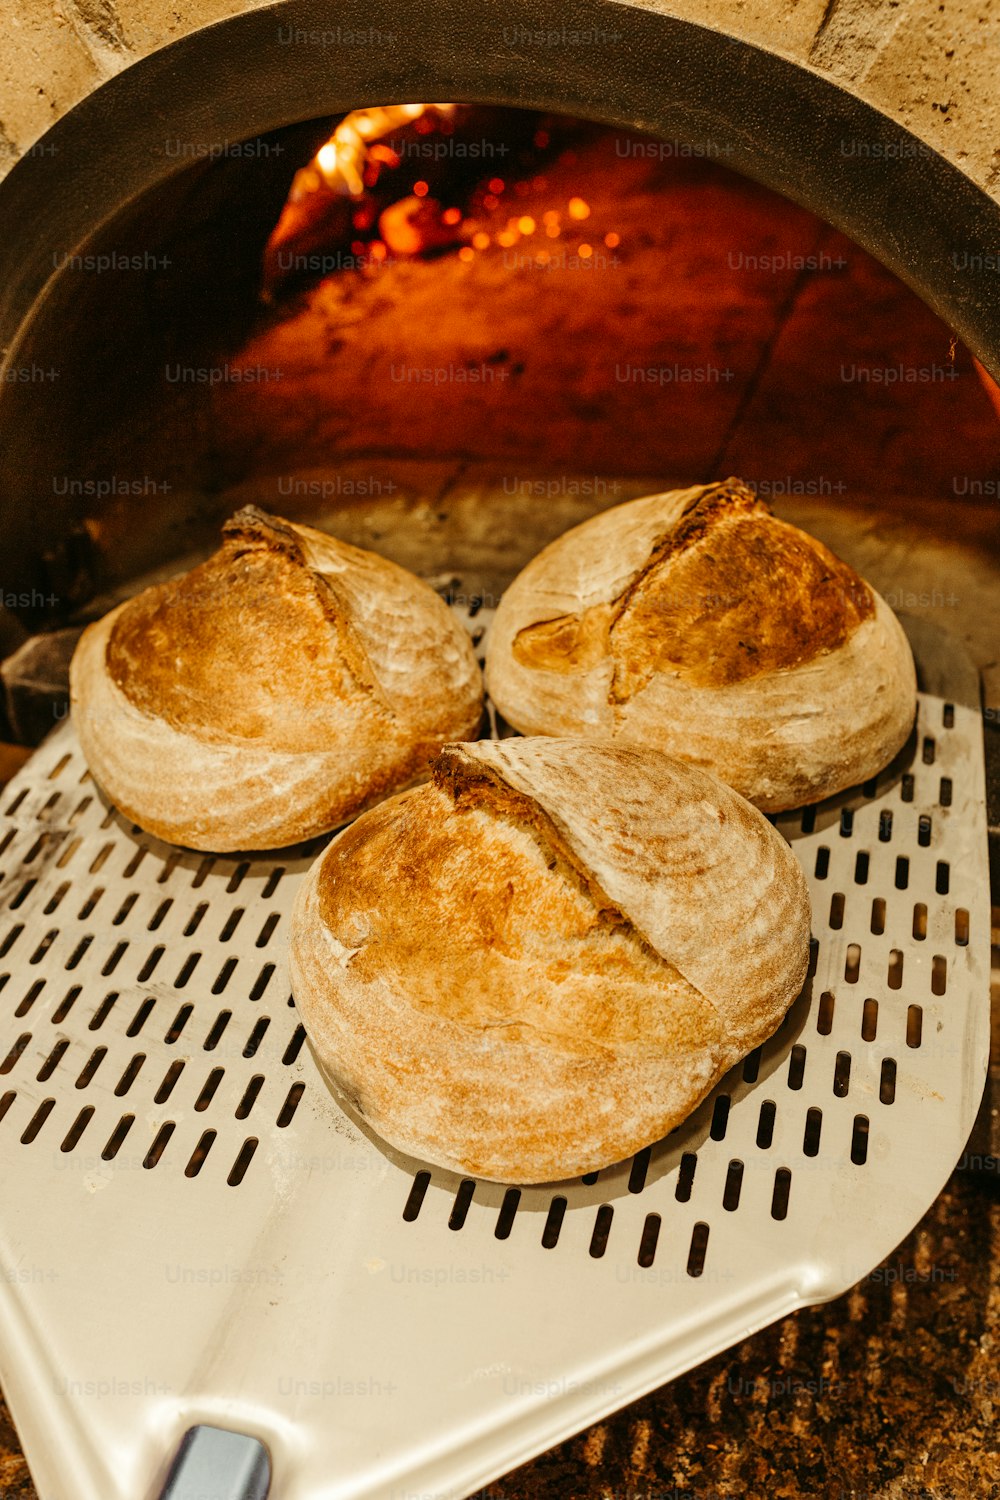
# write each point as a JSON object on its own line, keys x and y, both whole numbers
{"x": 779, "y": 122}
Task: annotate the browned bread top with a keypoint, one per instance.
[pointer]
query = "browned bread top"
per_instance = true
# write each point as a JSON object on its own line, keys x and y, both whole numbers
{"x": 253, "y": 643}
{"x": 545, "y": 957}
{"x": 695, "y": 606}
{"x": 698, "y": 623}
{"x": 272, "y": 692}
{"x": 492, "y": 930}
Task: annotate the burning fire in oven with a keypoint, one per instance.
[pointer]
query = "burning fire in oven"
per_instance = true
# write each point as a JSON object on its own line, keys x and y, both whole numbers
{"x": 406, "y": 180}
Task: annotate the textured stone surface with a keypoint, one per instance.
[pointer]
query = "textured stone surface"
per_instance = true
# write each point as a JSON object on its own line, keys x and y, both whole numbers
{"x": 729, "y": 332}
{"x": 930, "y": 65}
{"x": 36, "y": 684}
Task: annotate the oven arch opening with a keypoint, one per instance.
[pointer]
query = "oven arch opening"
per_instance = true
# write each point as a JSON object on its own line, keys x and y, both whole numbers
{"x": 790, "y": 127}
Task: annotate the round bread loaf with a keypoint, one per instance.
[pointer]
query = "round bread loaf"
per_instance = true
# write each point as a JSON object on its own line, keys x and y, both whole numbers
{"x": 698, "y": 623}
{"x": 272, "y": 692}
{"x": 544, "y": 958}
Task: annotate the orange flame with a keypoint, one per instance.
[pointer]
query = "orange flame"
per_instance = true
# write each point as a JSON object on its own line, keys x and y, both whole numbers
{"x": 340, "y": 163}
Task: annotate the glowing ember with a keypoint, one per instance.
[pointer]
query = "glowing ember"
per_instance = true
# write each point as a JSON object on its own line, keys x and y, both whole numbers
{"x": 414, "y": 226}
{"x": 364, "y": 189}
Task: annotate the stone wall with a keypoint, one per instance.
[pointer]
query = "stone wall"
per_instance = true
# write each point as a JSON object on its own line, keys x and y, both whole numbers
{"x": 932, "y": 66}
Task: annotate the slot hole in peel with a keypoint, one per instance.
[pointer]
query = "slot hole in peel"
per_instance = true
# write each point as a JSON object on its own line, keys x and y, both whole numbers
{"x": 602, "y": 1229}
{"x": 102, "y": 1012}
{"x": 91, "y": 1066}
{"x": 50, "y": 1064}
{"x": 72, "y": 1138}
{"x": 32, "y": 996}
{"x": 887, "y": 1081}
{"x": 159, "y": 1145}
{"x": 169, "y": 1079}
{"x": 66, "y": 1004}
{"x": 117, "y": 1137}
{"x": 199, "y": 1154}
{"x": 287, "y": 1112}
{"x": 507, "y": 1214}
{"x": 36, "y": 1122}
{"x": 859, "y": 1141}
{"x": 178, "y": 1024}
{"x": 208, "y": 1089}
{"x": 781, "y": 1194}
{"x": 765, "y": 1124}
{"x": 720, "y": 1120}
{"x": 734, "y": 1186}
{"x": 824, "y": 1018}
{"x": 242, "y": 1162}
{"x": 129, "y": 1076}
{"x": 553, "y": 1223}
{"x": 17, "y": 1050}
{"x": 698, "y": 1249}
{"x": 261, "y": 982}
{"x": 914, "y": 1026}
{"x": 125, "y": 908}
{"x": 294, "y": 1047}
{"x": 640, "y": 1166}
{"x": 648, "y": 1241}
{"x": 415, "y": 1197}
{"x": 253, "y": 1088}
{"x": 685, "y": 1177}
{"x": 813, "y": 1131}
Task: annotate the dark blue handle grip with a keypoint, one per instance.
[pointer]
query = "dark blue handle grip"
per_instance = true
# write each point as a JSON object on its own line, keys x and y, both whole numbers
{"x": 214, "y": 1464}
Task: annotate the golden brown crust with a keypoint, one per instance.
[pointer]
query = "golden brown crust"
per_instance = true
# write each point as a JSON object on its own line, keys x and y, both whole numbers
{"x": 695, "y": 607}
{"x": 511, "y": 981}
{"x": 485, "y": 923}
{"x": 274, "y": 691}
{"x": 252, "y": 643}
{"x": 698, "y": 622}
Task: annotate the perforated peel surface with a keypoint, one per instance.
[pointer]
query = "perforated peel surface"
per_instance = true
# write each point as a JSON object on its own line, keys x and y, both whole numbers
{"x": 192, "y": 1228}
